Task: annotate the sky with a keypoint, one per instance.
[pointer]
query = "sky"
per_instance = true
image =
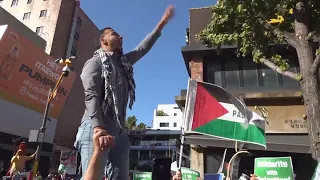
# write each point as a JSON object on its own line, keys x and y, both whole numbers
{"x": 161, "y": 74}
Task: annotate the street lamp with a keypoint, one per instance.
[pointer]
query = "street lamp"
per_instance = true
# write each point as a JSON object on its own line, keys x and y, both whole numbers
{"x": 38, "y": 135}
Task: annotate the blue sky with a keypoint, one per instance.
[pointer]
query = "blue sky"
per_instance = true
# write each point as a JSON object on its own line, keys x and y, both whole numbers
{"x": 161, "y": 74}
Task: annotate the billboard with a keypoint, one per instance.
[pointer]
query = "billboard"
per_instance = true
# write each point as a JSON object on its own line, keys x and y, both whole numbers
{"x": 26, "y": 75}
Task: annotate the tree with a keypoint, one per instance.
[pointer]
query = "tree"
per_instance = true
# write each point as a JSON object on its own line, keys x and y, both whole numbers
{"x": 244, "y": 23}
{"x": 141, "y": 126}
{"x": 131, "y": 122}
{"x": 161, "y": 113}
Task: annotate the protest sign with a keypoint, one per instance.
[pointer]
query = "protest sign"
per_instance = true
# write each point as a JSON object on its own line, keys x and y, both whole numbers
{"x": 142, "y": 176}
{"x": 273, "y": 168}
{"x": 189, "y": 174}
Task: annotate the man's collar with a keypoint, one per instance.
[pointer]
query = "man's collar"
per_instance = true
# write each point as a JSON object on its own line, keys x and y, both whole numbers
{"x": 112, "y": 54}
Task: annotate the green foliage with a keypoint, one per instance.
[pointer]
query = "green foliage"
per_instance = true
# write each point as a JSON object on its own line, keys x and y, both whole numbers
{"x": 161, "y": 113}
{"x": 131, "y": 124}
{"x": 141, "y": 126}
{"x": 243, "y": 23}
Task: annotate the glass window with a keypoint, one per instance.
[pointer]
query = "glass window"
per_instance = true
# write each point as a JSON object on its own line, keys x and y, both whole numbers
{"x": 29, "y": 1}
{"x": 232, "y": 79}
{"x": 288, "y": 82}
{"x": 174, "y": 114}
{"x": 214, "y": 72}
{"x": 79, "y": 21}
{"x": 269, "y": 77}
{"x": 250, "y": 73}
{"x": 39, "y": 30}
{"x": 76, "y": 36}
{"x": 15, "y": 3}
{"x": 26, "y": 15}
{"x": 43, "y": 13}
{"x": 164, "y": 124}
{"x": 175, "y": 124}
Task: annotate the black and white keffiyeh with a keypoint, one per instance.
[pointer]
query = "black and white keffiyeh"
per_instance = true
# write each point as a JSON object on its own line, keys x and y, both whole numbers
{"x": 110, "y": 99}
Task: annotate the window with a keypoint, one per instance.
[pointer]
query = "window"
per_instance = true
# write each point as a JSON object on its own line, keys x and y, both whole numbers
{"x": 26, "y": 15}
{"x": 39, "y": 30}
{"x": 268, "y": 76}
{"x": 164, "y": 124}
{"x": 175, "y": 124}
{"x": 76, "y": 36}
{"x": 1, "y": 1}
{"x": 249, "y": 72}
{"x": 232, "y": 79}
{"x": 174, "y": 114}
{"x": 214, "y": 73}
{"x": 29, "y": 1}
{"x": 79, "y": 21}
{"x": 176, "y": 108}
{"x": 43, "y": 13}
{"x": 73, "y": 51}
{"x": 14, "y": 3}
{"x": 286, "y": 81}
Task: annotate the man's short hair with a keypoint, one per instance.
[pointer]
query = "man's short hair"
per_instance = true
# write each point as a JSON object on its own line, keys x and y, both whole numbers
{"x": 102, "y": 31}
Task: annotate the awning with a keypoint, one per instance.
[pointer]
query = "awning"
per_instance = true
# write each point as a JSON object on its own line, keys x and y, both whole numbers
{"x": 294, "y": 143}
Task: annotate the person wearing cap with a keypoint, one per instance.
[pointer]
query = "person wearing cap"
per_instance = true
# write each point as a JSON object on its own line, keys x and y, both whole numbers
{"x": 18, "y": 162}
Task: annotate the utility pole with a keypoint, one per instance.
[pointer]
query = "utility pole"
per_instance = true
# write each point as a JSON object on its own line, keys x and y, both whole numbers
{"x": 38, "y": 135}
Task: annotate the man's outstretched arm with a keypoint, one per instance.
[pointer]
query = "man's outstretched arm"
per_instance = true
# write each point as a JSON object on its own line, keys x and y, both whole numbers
{"x": 147, "y": 43}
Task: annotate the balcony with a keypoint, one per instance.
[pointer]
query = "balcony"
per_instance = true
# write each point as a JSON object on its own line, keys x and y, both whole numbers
{"x": 153, "y": 145}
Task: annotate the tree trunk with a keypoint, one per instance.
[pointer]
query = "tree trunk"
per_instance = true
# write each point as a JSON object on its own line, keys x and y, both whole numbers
{"x": 310, "y": 82}
{"x": 310, "y": 90}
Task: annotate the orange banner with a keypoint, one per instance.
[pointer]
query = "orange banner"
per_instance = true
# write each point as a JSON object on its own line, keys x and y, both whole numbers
{"x": 27, "y": 73}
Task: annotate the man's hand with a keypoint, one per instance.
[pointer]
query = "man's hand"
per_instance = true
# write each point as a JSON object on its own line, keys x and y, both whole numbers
{"x": 168, "y": 14}
{"x": 102, "y": 140}
{"x": 177, "y": 176}
{"x": 253, "y": 177}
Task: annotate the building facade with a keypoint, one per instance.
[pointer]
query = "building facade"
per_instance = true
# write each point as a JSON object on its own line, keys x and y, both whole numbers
{"x": 67, "y": 31}
{"x": 149, "y": 144}
{"x": 167, "y": 117}
{"x": 259, "y": 87}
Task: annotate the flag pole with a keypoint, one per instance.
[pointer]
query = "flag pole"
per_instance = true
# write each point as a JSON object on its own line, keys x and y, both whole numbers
{"x": 181, "y": 148}
{"x": 183, "y": 125}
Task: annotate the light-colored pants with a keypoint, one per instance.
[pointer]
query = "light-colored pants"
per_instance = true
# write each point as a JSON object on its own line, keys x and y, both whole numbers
{"x": 114, "y": 161}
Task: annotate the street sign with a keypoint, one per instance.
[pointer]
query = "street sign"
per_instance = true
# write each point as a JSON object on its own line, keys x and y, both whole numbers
{"x": 189, "y": 174}
{"x": 142, "y": 176}
{"x": 273, "y": 167}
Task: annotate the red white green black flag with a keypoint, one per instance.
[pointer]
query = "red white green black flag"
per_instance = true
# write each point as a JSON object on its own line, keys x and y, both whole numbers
{"x": 211, "y": 110}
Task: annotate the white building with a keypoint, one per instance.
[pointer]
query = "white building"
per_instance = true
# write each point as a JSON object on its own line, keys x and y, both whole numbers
{"x": 167, "y": 117}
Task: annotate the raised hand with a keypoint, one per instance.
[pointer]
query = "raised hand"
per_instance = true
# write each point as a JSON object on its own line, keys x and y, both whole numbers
{"x": 102, "y": 140}
{"x": 168, "y": 14}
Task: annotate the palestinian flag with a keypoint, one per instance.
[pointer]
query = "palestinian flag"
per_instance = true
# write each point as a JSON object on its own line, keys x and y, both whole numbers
{"x": 211, "y": 110}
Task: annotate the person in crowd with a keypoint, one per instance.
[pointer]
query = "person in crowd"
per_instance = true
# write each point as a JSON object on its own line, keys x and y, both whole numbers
{"x": 177, "y": 176}
{"x": 253, "y": 177}
{"x": 108, "y": 84}
{"x": 18, "y": 162}
{"x": 38, "y": 176}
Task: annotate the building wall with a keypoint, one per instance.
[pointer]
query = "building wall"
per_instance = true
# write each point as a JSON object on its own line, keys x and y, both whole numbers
{"x": 59, "y": 28}
{"x": 49, "y": 22}
{"x": 172, "y": 120}
{"x": 74, "y": 107}
{"x": 7, "y": 19}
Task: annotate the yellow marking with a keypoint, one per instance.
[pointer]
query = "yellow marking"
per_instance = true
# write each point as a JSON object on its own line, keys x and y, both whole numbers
{"x": 279, "y": 20}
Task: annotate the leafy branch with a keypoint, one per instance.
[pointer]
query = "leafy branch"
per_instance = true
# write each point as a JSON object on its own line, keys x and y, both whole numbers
{"x": 289, "y": 37}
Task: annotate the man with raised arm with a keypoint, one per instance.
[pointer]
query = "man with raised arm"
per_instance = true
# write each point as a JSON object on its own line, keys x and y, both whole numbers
{"x": 108, "y": 83}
